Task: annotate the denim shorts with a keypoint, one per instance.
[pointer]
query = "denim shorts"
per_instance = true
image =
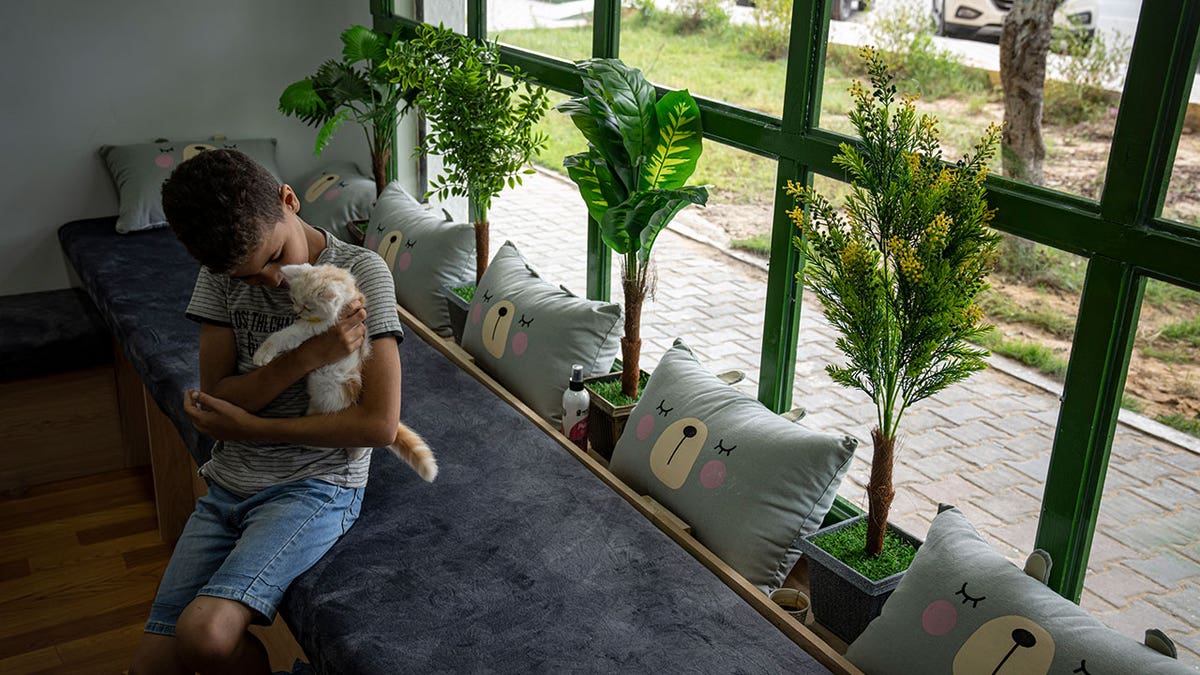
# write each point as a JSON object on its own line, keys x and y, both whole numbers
{"x": 250, "y": 549}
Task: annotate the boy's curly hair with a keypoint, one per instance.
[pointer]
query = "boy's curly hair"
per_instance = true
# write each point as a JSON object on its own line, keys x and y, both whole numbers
{"x": 219, "y": 204}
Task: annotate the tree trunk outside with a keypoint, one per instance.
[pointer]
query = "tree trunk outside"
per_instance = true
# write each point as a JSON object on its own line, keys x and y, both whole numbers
{"x": 1024, "y": 42}
{"x": 879, "y": 490}
{"x": 631, "y": 342}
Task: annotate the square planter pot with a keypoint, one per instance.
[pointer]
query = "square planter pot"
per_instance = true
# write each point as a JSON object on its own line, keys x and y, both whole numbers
{"x": 843, "y": 600}
{"x": 459, "y": 309}
{"x": 605, "y": 420}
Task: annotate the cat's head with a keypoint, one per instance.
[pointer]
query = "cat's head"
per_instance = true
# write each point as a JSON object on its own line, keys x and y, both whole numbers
{"x": 318, "y": 292}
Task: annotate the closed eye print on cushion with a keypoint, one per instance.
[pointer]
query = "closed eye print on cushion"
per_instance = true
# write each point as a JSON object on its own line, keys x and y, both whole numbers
{"x": 1006, "y": 645}
{"x": 165, "y": 160}
{"x": 966, "y": 598}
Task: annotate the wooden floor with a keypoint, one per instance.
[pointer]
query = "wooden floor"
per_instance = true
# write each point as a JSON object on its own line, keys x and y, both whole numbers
{"x": 80, "y": 561}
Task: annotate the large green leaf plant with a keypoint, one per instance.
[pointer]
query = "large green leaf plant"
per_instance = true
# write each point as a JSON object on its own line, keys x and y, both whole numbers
{"x": 356, "y": 89}
{"x": 900, "y": 267}
{"x": 483, "y": 118}
{"x": 641, "y": 150}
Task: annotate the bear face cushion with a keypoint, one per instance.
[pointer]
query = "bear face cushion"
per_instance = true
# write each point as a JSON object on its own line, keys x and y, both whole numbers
{"x": 749, "y": 482}
{"x": 334, "y": 196}
{"x": 962, "y": 608}
{"x": 424, "y": 251}
{"x": 527, "y": 332}
{"x": 138, "y": 171}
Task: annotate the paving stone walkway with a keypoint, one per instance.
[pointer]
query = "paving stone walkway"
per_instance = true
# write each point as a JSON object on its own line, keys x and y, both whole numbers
{"x": 983, "y": 445}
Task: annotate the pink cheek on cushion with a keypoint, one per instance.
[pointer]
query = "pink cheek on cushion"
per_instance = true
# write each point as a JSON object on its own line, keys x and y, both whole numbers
{"x": 520, "y": 343}
{"x": 476, "y": 312}
{"x": 164, "y": 161}
{"x": 645, "y": 427}
{"x": 332, "y": 194}
{"x": 405, "y": 261}
{"x": 939, "y": 617}
{"x": 713, "y": 474}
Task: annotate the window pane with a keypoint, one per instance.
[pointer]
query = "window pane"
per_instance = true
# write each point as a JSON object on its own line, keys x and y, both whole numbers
{"x": 708, "y": 57}
{"x": 982, "y": 444}
{"x": 1144, "y": 569}
{"x": 957, "y": 78}
{"x": 553, "y": 28}
{"x": 714, "y": 301}
{"x": 1183, "y": 194}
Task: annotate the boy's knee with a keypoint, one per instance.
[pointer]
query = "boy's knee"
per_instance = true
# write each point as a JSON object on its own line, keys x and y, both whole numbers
{"x": 209, "y": 632}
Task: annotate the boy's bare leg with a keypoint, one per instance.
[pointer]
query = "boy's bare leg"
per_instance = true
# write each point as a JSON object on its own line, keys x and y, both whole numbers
{"x": 213, "y": 638}
{"x": 157, "y": 654}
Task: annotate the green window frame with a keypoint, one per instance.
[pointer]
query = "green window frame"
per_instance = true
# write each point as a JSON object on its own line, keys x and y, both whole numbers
{"x": 1123, "y": 237}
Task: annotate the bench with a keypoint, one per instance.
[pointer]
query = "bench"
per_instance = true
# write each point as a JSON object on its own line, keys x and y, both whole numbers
{"x": 522, "y": 556}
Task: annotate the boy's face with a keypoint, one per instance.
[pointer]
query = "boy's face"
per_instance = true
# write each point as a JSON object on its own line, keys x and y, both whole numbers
{"x": 282, "y": 243}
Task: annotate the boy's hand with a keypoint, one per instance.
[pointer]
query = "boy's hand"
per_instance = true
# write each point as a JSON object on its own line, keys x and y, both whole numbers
{"x": 218, "y": 418}
{"x": 341, "y": 339}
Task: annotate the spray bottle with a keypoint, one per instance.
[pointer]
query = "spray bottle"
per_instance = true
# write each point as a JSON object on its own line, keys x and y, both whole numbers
{"x": 575, "y": 409}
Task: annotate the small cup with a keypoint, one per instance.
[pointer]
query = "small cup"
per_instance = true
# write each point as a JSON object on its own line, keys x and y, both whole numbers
{"x": 792, "y": 601}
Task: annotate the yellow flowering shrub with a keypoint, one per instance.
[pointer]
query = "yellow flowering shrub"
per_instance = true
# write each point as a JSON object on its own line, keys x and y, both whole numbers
{"x": 900, "y": 265}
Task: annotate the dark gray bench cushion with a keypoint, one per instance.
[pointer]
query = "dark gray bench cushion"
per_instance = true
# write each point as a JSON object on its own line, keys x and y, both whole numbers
{"x": 141, "y": 283}
{"x": 517, "y": 559}
{"x": 50, "y": 332}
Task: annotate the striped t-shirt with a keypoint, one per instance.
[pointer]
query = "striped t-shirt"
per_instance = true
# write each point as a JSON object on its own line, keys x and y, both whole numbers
{"x": 254, "y": 312}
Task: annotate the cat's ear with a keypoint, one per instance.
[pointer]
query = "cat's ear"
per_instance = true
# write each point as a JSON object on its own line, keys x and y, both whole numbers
{"x": 328, "y": 294}
{"x": 289, "y": 272}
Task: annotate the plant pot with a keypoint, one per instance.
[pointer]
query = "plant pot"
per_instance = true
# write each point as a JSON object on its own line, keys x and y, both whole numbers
{"x": 459, "y": 308}
{"x": 356, "y": 230}
{"x": 605, "y": 420}
{"x": 843, "y": 600}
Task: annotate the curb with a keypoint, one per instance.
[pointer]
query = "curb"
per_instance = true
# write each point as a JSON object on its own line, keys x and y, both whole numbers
{"x": 1008, "y": 366}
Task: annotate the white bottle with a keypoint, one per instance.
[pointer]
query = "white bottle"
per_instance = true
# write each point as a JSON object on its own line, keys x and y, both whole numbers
{"x": 575, "y": 409}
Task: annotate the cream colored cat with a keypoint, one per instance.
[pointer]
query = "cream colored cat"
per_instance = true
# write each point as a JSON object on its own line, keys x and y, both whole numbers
{"x": 318, "y": 295}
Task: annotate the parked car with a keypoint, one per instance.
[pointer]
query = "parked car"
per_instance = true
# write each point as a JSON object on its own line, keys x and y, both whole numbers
{"x": 983, "y": 19}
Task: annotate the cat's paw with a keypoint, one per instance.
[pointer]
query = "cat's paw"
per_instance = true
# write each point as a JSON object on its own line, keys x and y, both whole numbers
{"x": 266, "y": 353}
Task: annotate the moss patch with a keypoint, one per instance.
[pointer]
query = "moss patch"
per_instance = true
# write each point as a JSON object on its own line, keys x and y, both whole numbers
{"x": 465, "y": 292}
{"x": 848, "y": 543}
{"x": 611, "y": 391}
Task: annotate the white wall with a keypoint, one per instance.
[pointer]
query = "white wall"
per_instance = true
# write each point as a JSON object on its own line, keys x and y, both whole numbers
{"x": 81, "y": 74}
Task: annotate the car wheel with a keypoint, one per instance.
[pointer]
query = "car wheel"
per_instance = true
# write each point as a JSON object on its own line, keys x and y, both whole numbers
{"x": 842, "y": 9}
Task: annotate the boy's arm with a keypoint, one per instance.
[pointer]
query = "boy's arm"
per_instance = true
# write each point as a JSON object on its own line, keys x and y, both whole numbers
{"x": 254, "y": 390}
{"x": 369, "y": 423}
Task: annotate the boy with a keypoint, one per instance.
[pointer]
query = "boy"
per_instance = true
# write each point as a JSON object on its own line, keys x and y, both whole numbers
{"x": 281, "y": 488}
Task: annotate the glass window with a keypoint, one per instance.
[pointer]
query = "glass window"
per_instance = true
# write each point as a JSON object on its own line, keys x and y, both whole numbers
{"x": 1183, "y": 194}
{"x": 982, "y": 444}
{"x": 951, "y": 60}
{"x": 712, "y": 300}
{"x": 710, "y": 49}
{"x": 1144, "y": 568}
{"x": 563, "y": 30}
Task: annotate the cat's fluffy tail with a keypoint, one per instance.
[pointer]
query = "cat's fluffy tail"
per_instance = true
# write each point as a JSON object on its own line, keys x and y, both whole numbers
{"x": 410, "y": 447}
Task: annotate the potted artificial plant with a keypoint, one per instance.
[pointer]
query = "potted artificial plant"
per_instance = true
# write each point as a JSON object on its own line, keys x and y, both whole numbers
{"x": 899, "y": 271}
{"x": 483, "y": 118}
{"x": 346, "y": 90}
{"x": 640, "y": 151}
